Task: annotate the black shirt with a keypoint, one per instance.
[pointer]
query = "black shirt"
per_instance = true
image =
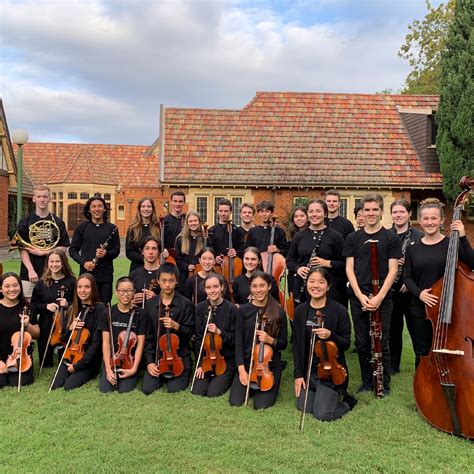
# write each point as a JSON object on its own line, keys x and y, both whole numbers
{"x": 219, "y": 239}
{"x": 87, "y": 239}
{"x": 142, "y": 277}
{"x": 241, "y": 288}
{"x": 132, "y": 247}
{"x": 23, "y": 230}
{"x": 356, "y": 246}
{"x": 173, "y": 226}
{"x": 342, "y": 225}
{"x": 190, "y": 289}
{"x": 44, "y": 294}
{"x": 259, "y": 237}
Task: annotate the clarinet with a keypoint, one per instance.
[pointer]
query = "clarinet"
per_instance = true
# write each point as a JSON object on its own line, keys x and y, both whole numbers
{"x": 406, "y": 241}
{"x": 105, "y": 244}
{"x": 376, "y": 325}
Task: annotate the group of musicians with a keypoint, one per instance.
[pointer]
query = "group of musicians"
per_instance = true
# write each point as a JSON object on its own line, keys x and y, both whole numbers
{"x": 182, "y": 322}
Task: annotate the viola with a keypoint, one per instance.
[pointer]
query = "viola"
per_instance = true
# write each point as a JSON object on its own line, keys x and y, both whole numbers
{"x": 170, "y": 364}
{"x": 76, "y": 348}
{"x": 261, "y": 377}
{"x": 213, "y": 361}
{"x": 55, "y": 339}
{"x": 170, "y": 258}
{"x": 327, "y": 352}
{"x": 124, "y": 357}
{"x": 231, "y": 266}
{"x": 19, "y": 360}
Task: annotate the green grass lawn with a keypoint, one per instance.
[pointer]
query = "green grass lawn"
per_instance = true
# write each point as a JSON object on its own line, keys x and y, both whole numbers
{"x": 86, "y": 431}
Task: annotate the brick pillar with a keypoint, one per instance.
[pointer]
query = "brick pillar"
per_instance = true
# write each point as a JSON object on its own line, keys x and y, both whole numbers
{"x": 3, "y": 208}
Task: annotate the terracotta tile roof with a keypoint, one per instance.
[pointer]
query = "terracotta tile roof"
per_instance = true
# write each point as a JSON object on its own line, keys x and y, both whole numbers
{"x": 297, "y": 139}
{"x": 126, "y": 165}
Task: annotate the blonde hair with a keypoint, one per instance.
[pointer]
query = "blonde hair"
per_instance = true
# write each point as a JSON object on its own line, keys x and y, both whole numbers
{"x": 432, "y": 203}
{"x": 185, "y": 235}
{"x": 41, "y": 187}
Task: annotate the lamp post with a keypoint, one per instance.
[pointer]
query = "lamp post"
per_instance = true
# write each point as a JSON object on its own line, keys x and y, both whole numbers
{"x": 19, "y": 137}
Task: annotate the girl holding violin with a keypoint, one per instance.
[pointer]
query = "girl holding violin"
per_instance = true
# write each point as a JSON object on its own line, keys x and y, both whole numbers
{"x": 82, "y": 356}
{"x": 252, "y": 261}
{"x": 327, "y": 398}
{"x": 12, "y": 316}
{"x": 425, "y": 262}
{"x": 218, "y": 349}
{"x": 57, "y": 279}
{"x": 122, "y": 351}
{"x": 248, "y": 337}
{"x": 144, "y": 224}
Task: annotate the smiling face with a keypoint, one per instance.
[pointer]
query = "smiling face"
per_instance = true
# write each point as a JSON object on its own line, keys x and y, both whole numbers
{"x": 125, "y": 292}
{"x": 316, "y": 214}
{"x": 332, "y": 202}
{"x": 246, "y": 215}
{"x": 177, "y": 204}
{"x": 54, "y": 263}
{"x": 251, "y": 261}
{"x": 300, "y": 219}
{"x": 97, "y": 210}
{"x": 259, "y": 289}
{"x": 193, "y": 223}
{"x": 317, "y": 285}
{"x": 146, "y": 209}
{"x": 372, "y": 213}
{"x": 400, "y": 215}
{"x": 213, "y": 289}
{"x": 223, "y": 211}
{"x": 207, "y": 261}
{"x": 11, "y": 289}
{"x": 84, "y": 290}
{"x": 431, "y": 221}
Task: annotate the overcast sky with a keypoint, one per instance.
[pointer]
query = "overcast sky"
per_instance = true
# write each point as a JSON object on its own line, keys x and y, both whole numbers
{"x": 96, "y": 71}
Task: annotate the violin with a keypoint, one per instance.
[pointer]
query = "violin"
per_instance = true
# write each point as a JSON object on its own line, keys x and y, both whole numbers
{"x": 231, "y": 266}
{"x": 76, "y": 348}
{"x": 55, "y": 339}
{"x": 261, "y": 377}
{"x": 328, "y": 366}
{"x": 126, "y": 342}
{"x": 169, "y": 258}
{"x": 170, "y": 364}
{"x": 213, "y": 361}
{"x": 19, "y": 360}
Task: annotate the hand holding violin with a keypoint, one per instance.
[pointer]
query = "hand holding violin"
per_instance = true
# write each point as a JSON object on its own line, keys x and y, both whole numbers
{"x": 322, "y": 333}
{"x": 70, "y": 368}
{"x": 170, "y": 323}
{"x": 213, "y": 328}
{"x": 153, "y": 369}
{"x": 3, "y": 368}
{"x": 111, "y": 376}
{"x": 243, "y": 375}
{"x": 265, "y": 338}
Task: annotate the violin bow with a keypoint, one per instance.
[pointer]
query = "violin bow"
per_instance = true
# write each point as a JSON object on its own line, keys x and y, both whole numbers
{"x": 144, "y": 295}
{"x": 251, "y": 357}
{"x": 202, "y": 344}
{"x": 157, "y": 357}
{"x": 112, "y": 348}
{"x": 22, "y": 337}
{"x": 308, "y": 375}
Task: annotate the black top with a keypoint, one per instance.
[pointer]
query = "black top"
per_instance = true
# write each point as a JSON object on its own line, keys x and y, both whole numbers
{"x": 356, "y": 246}
{"x": 173, "y": 227}
{"x": 425, "y": 265}
{"x": 336, "y": 319}
{"x": 43, "y": 295}
{"x": 87, "y": 239}
{"x": 23, "y": 230}
{"x": 190, "y": 289}
{"x": 141, "y": 277}
{"x": 181, "y": 311}
{"x": 244, "y": 331}
{"x": 243, "y": 235}
{"x": 259, "y": 236}
{"x": 241, "y": 288}
{"x": 342, "y": 225}
{"x": 183, "y": 260}
{"x": 219, "y": 239}
{"x": 224, "y": 317}
{"x": 120, "y": 323}
{"x": 132, "y": 247}
{"x": 9, "y": 324}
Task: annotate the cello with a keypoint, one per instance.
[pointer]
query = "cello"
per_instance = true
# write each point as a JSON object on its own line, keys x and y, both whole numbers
{"x": 231, "y": 266}
{"x": 444, "y": 380}
{"x": 169, "y": 258}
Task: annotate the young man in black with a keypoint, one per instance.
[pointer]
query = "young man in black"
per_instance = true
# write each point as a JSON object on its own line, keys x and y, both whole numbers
{"x": 260, "y": 235}
{"x": 219, "y": 233}
{"x": 95, "y": 244}
{"x": 179, "y": 320}
{"x": 357, "y": 253}
{"x": 247, "y": 213}
{"x": 50, "y": 228}
{"x": 174, "y": 220}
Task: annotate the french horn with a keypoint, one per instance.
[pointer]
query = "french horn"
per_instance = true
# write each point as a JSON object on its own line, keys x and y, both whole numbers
{"x": 43, "y": 235}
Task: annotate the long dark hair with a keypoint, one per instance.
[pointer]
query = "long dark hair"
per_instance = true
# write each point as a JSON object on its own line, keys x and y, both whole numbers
{"x": 65, "y": 267}
{"x": 21, "y": 296}
{"x": 76, "y": 301}
{"x": 87, "y": 207}
{"x": 135, "y": 228}
{"x": 292, "y": 229}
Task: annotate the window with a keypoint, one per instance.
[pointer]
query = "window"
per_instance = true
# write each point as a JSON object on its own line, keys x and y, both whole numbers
{"x": 54, "y": 208}
{"x": 53, "y": 196}
{"x": 60, "y": 209}
{"x": 84, "y": 195}
{"x": 433, "y": 130}
{"x": 3, "y": 162}
{"x": 415, "y": 207}
{"x": 300, "y": 201}
{"x": 236, "y": 203}
{"x": 60, "y": 195}
{"x": 72, "y": 195}
{"x": 120, "y": 212}
{"x": 201, "y": 207}
{"x": 107, "y": 196}
{"x": 343, "y": 207}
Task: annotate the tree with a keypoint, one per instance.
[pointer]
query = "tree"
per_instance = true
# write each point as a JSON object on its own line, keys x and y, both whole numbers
{"x": 423, "y": 47}
{"x": 455, "y": 118}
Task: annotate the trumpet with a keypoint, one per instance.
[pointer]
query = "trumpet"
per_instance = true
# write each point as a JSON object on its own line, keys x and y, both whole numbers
{"x": 43, "y": 234}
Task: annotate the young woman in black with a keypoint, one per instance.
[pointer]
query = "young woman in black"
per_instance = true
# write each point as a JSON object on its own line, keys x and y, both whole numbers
{"x": 144, "y": 224}
{"x": 252, "y": 261}
{"x": 222, "y": 323}
{"x": 85, "y": 312}
{"x": 275, "y": 335}
{"x": 318, "y": 245}
{"x": 46, "y": 299}
{"x": 425, "y": 262}
{"x": 325, "y": 401}
{"x": 12, "y": 305}
{"x": 298, "y": 221}
{"x": 122, "y": 316}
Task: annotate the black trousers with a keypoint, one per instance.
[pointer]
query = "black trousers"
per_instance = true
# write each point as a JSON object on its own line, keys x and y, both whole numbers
{"x": 423, "y": 336}
{"x": 105, "y": 291}
{"x": 216, "y": 386}
{"x": 401, "y": 309}
{"x": 324, "y": 401}
{"x": 361, "y": 321}
{"x": 340, "y": 293}
{"x": 123, "y": 385}
{"x": 176, "y": 384}
{"x": 70, "y": 381}
{"x": 11, "y": 379}
{"x": 260, "y": 399}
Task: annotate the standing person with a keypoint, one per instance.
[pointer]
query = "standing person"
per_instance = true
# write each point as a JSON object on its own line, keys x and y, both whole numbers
{"x": 86, "y": 312}
{"x": 12, "y": 306}
{"x": 259, "y": 236}
{"x": 357, "y": 253}
{"x": 52, "y": 233}
{"x": 344, "y": 227}
{"x": 298, "y": 220}
{"x": 189, "y": 245}
{"x": 326, "y": 401}
{"x": 46, "y": 299}
{"x": 222, "y": 325}
{"x": 359, "y": 217}
{"x": 123, "y": 316}
{"x": 407, "y": 235}
{"x": 180, "y": 322}
{"x": 275, "y": 335}
{"x": 144, "y": 224}
{"x": 174, "y": 221}
{"x": 316, "y": 246}
{"x": 95, "y": 244}
{"x": 145, "y": 278}
{"x": 247, "y": 213}
{"x": 425, "y": 263}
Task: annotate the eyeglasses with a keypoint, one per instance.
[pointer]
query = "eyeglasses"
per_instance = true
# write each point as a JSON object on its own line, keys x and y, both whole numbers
{"x": 126, "y": 292}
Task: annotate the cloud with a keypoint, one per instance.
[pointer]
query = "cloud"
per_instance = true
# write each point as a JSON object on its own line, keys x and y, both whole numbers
{"x": 96, "y": 71}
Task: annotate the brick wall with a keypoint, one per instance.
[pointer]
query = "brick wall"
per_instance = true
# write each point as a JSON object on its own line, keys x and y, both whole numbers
{"x": 3, "y": 208}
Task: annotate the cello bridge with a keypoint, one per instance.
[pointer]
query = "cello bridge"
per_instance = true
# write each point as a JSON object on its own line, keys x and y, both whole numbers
{"x": 448, "y": 351}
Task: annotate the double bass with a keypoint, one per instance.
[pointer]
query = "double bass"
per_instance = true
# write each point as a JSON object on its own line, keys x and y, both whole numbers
{"x": 444, "y": 380}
